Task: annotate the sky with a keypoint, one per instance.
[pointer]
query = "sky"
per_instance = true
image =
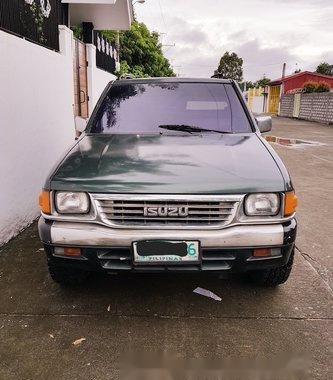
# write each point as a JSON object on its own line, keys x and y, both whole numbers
{"x": 265, "y": 33}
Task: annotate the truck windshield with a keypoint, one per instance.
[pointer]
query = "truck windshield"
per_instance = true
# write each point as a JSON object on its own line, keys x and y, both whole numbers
{"x": 144, "y": 107}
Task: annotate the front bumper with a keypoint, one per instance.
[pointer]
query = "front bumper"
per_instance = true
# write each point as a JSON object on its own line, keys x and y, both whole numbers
{"x": 229, "y": 249}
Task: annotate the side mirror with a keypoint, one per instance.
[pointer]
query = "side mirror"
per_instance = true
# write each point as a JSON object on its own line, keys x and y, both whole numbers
{"x": 80, "y": 125}
{"x": 264, "y": 123}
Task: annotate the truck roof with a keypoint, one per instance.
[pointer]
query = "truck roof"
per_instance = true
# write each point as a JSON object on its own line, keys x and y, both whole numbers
{"x": 171, "y": 80}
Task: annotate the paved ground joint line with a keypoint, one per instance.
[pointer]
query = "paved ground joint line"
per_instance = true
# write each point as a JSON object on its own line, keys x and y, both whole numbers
{"x": 162, "y": 316}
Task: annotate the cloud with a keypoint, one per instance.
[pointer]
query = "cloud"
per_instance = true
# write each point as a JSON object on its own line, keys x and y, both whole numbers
{"x": 265, "y": 33}
{"x": 326, "y": 3}
{"x": 186, "y": 33}
{"x": 328, "y": 57}
{"x": 193, "y": 36}
{"x": 259, "y": 61}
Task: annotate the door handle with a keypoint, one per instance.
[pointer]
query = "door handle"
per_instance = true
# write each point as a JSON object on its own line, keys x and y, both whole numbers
{"x": 84, "y": 97}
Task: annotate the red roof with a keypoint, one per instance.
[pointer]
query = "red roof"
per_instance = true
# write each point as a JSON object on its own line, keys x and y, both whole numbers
{"x": 292, "y": 76}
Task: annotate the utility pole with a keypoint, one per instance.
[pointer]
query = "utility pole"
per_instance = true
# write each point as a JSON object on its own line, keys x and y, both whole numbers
{"x": 284, "y": 70}
{"x": 282, "y": 86}
{"x": 118, "y": 45}
{"x": 118, "y": 40}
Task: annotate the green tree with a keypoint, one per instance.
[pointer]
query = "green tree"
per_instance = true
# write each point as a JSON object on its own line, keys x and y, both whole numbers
{"x": 230, "y": 67}
{"x": 141, "y": 52}
{"x": 309, "y": 87}
{"x": 322, "y": 87}
{"x": 262, "y": 82}
{"x": 325, "y": 68}
{"x": 246, "y": 84}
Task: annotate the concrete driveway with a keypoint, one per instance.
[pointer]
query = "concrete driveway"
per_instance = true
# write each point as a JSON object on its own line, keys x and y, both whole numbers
{"x": 39, "y": 321}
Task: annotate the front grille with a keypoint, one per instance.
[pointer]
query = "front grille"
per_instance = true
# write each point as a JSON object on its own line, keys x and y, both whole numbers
{"x": 213, "y": 259}
{"x": 166, "y": 213}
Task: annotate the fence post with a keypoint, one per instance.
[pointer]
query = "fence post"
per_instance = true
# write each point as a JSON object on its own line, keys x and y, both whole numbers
{"x": 65, "y": 41}
{"x": 296, "y": 105}
{"x": 87, "y": 29}
{"x": 91, "y": 58}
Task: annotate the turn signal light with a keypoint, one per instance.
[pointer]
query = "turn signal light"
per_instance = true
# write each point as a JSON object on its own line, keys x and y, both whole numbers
{"x": 290, "y": 203}
{"x": 262, "y": 252}
{"x": 266, "y": 252}
{"x": 44, "y": 202}
{"x": 72, "y": 251}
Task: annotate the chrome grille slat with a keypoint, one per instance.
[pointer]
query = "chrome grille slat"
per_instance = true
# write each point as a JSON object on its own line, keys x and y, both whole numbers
{"x": 160, "y": 218}
{"x": 195, "y": 206}
{"x": 210, "y": 213}
{"x": 126, "y": 213}
{"x": 193, "y": 213}
{"x": 106, "y": 211}
{"x": 172, "y": 205}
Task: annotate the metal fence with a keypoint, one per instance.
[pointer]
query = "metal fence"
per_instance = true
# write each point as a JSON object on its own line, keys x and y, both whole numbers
{"x": 35, "y": 20}
{"x": 106, "y": 53}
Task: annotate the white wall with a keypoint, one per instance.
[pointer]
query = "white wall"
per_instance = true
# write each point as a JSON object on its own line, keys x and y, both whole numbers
{"x": 36, "y": 123}
{"x": 97, "y": 78}
{"x": 116, "y": 16}
{"x": 258, "y": 104}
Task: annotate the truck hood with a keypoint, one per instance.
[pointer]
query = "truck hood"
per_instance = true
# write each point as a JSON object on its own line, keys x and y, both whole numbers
{"x": 210, "y": 163}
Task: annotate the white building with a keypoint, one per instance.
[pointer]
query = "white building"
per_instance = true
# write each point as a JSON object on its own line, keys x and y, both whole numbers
{"x": 47, "y": 77}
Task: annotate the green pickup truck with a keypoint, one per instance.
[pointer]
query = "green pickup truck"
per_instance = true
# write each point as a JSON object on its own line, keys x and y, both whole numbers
{"x": 170, "y": 175}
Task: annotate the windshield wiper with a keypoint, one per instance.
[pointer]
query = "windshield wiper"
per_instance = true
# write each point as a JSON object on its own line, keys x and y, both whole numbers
{"x": 187, "y": 128}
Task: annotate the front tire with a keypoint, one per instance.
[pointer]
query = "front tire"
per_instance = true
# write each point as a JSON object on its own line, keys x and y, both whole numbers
{"x": 272, "y": 277}
{"x": 67, "y": 276}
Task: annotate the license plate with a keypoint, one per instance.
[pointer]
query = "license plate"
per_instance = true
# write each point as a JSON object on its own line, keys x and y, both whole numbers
{"x": 166, "y": 252}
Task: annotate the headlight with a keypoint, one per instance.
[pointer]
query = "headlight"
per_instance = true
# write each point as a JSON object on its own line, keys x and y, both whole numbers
{"x": 262, "y": 204}
{"x": 67, "y": 202}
